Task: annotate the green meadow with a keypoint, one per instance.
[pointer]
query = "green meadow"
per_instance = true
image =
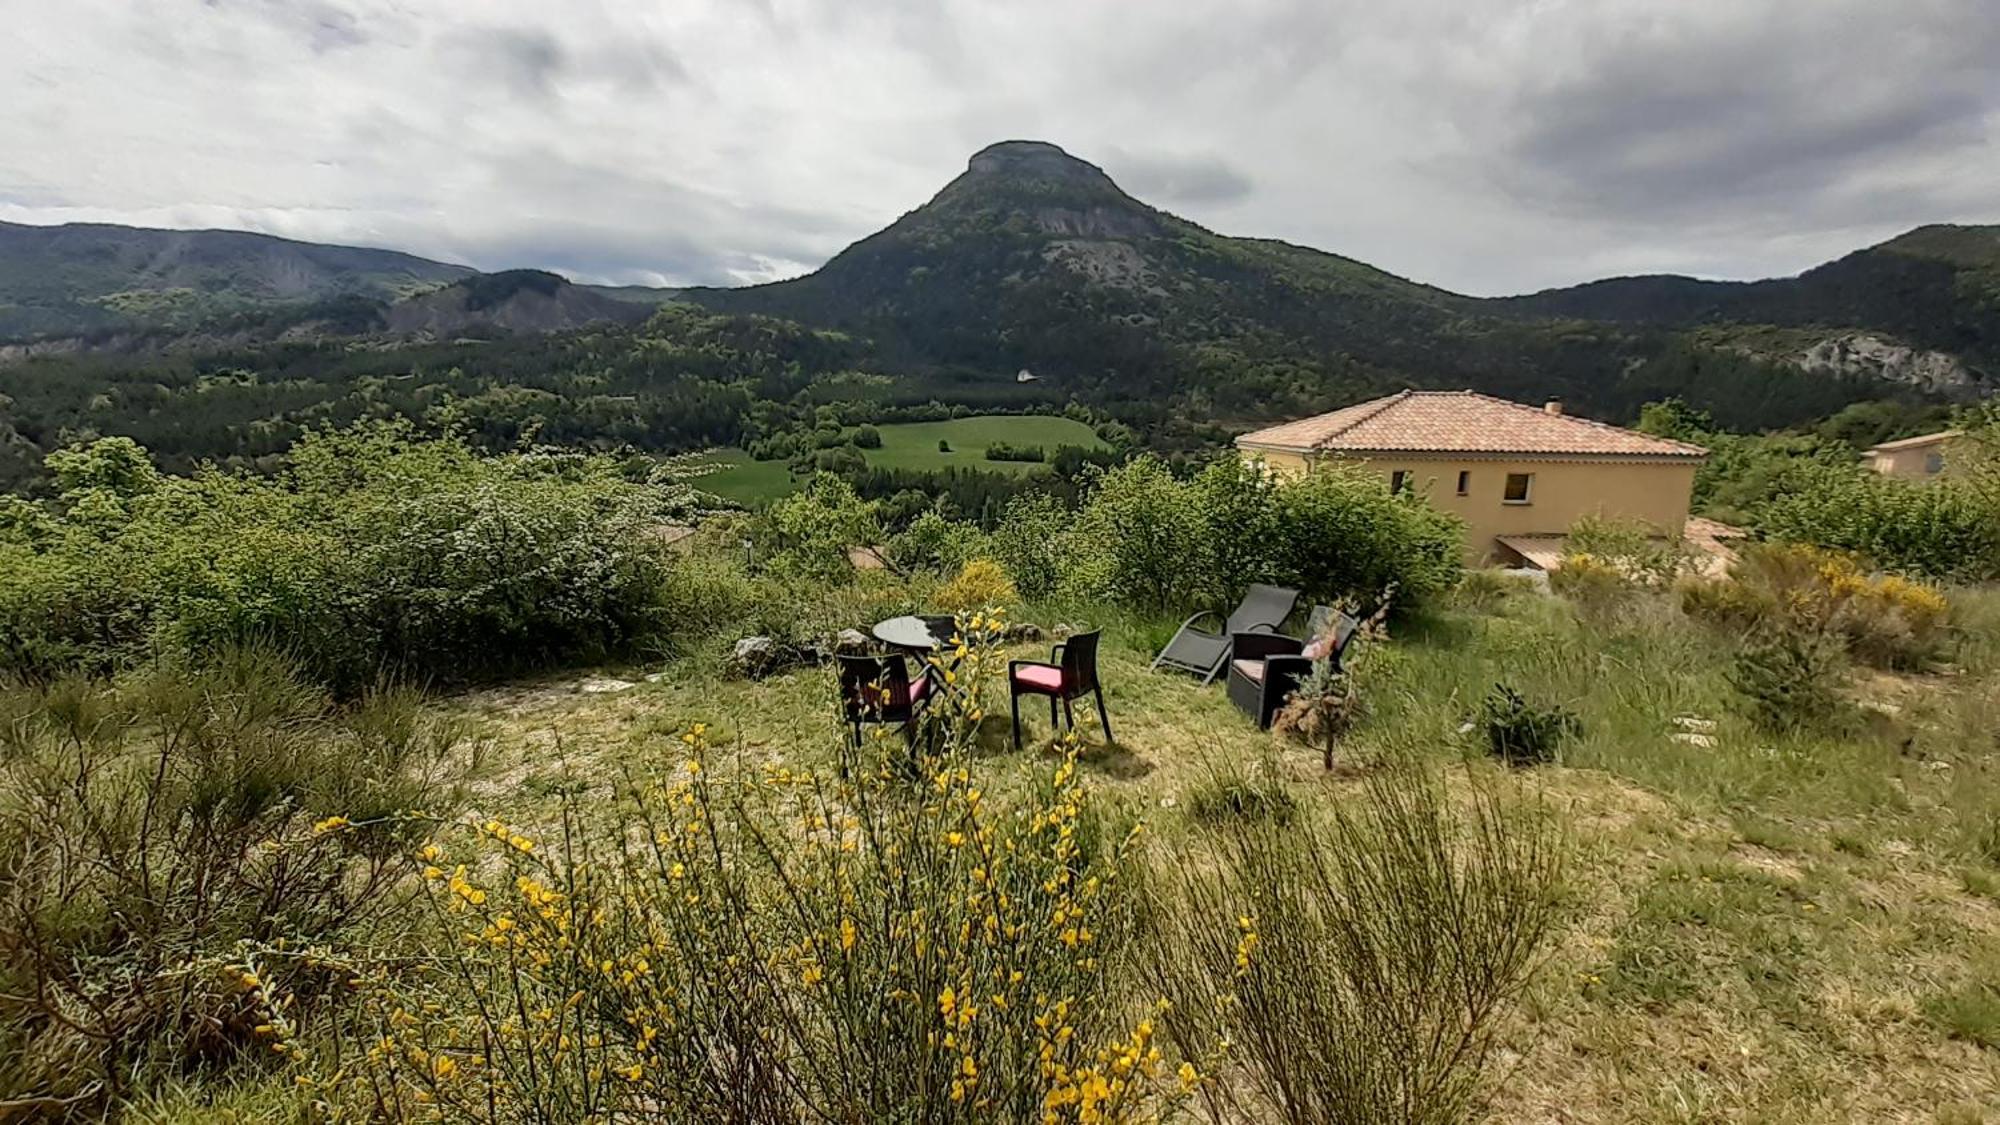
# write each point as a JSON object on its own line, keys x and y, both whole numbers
{"x": 911, "y": 445}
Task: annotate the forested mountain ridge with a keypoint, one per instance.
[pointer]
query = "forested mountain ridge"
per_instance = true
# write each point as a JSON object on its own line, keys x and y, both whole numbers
{"x": 1935, "y": 289}
{"x": 84, "y": 277}
{"x": 1033, "y": 258}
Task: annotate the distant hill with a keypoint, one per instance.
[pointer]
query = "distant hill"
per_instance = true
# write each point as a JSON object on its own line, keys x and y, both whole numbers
{"x": 1935, "y": 289}
{"x": 512, "y": 302}
{"x": 1033, "y": 258}
{"x": 636, "y": 294}
{"x": 84, "y": 277}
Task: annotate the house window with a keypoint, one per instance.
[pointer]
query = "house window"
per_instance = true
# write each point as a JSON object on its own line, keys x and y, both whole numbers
{"x": 1399, "y": 480}
{"x": 1464, "y": 481}
{"x": 1520, "y": 488}
{"x": 1933, "y": 462}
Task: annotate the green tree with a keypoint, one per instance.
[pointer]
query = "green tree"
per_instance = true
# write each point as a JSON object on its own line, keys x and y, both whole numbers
{"x": 1141, "y": 539}
{"x": 117, "y": 465}
{"x": 1674, "y": 418}
{"x": 1239, "y": 502}
{"x": 809, "y": 533}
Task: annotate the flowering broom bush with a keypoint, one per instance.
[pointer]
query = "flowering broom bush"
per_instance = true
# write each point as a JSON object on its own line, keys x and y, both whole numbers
{"x": 755, "y": 942}
{"x": 1881, "y": 619}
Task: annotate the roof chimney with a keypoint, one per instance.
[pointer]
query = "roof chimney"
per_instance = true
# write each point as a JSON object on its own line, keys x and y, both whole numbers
{"x": 1553, "y": 406}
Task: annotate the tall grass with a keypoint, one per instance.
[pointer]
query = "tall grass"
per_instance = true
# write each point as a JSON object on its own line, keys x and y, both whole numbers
{"x": 1351, "y": 968}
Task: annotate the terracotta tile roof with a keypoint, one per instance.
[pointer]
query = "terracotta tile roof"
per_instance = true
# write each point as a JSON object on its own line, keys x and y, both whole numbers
{"x": 1913, "y": 442}
{"x": 1461, "y": 422}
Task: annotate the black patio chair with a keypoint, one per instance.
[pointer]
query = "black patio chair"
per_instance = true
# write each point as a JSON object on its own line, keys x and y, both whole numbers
{"x": 878, "y": 689}
{"x": 1264, "y": 668}
{"x": 1205, "y": 653}
{"x": 1071, "y": 673}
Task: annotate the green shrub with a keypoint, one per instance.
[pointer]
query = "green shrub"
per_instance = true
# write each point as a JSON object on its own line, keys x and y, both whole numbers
{"x": 1224, "y": 798}
{"x": 1942, "y": 528}
{"x": 1341, "y": 534}
{"x": 807, "y": 535}
{"x": 1147, "y": 540}
{"x": 1522, "y": 733}
{"x": 1002, "y": 451}
{"x": 196, "y": 863}
{"x": 1138, "y": 540}
{"x": 1790, "y": 678}
{"x": 868, "y": 437}
{"x": 1031, "y": 542}
{"x": 705, "y": 594}
{"x": 841, "y": 459}
{"x": 934, "y": 543}
{"x": 368, "y": 552}
{"x": 1485, "y": 589}
{"x": 1238, "y": 500}
{"x": 1633, "y": 548}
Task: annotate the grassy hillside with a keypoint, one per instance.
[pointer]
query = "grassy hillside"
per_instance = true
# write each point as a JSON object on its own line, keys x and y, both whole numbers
{"x": 1936, "y": 287}
{"x": 1035, "y": 259}
{"x": 1798, "y": 928}
{"x": 1741, "y": 860}
{"x": 746, "y": 480}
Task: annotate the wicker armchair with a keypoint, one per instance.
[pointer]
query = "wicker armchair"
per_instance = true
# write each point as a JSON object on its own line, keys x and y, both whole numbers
{"x": 1264, "y": 668}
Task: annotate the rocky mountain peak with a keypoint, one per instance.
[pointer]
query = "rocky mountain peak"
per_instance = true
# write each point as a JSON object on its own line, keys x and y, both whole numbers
{"x": 1034, "y": 185}
{"x": 1034, "y": 160}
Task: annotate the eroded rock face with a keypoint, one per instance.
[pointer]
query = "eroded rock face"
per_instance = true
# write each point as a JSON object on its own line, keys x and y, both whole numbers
{"x": 1106, "y": 263}
{"x": 1859, "y": 353}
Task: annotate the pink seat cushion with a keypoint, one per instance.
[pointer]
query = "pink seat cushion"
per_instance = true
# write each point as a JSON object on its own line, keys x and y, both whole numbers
{"x": 1318, "y": 649}
{"x": 919, "y": 689}
{"x": 1044, "y": 677}
{"x": 1252, "y": 670}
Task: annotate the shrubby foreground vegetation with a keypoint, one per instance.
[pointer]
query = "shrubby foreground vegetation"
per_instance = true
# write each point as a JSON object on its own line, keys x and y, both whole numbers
{"x": 240, "y": 869}
{"x": 370, "y": 555}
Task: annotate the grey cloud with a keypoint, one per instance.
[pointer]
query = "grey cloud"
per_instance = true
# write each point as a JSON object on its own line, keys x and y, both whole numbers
{"x": 524, "y": 60}
{"x": 1665, "y": 127}
{"x": 1495, "y": 146}
{"x": 332, "y": 29}
{"x": 1178, "y": 179}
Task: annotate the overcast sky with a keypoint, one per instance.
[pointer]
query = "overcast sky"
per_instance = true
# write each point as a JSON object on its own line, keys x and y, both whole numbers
{"x": 1490, "y": 146}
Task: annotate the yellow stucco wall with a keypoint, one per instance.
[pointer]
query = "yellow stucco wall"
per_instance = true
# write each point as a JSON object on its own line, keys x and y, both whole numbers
{"x": 1911, "y": 463}
{"x": 1562, "y": 492}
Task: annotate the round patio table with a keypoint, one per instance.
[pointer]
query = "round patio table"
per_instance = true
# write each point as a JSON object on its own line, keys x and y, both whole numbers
{"x": 911, "y": 633}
